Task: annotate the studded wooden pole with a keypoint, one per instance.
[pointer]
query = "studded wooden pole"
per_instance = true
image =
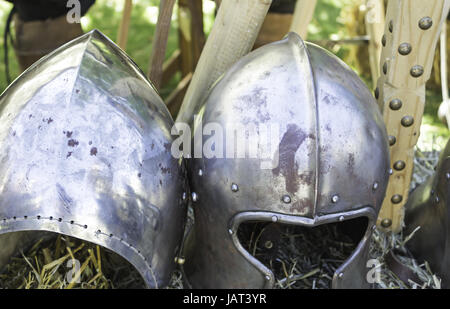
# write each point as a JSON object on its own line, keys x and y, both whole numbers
{"x": 411, "y": 33}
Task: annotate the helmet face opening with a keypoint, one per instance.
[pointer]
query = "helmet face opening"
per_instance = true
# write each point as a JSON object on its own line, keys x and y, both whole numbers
{"x": 40, "y": 259}
{"x": 255, "y": 236}
{"x": 301, "y": 256}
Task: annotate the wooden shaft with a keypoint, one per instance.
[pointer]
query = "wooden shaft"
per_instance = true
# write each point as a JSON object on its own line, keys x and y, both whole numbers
{"x": 190, "y": 33}
{"x": 185, "y": 37}
{"x": 122, "y": 36}
{"x": 234, "y": 32}
{"x": 411, "y": 34}
{"x": 374, "y": 21}
{"x": 303, "y": 13}
{"x": 198, "y": 35}
{"x": 160, "y": 42}
{"x": 444, "y": 77}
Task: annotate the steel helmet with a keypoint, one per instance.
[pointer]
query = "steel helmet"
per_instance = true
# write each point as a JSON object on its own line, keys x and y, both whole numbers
{"x": 85, "y": 151}
{"x": 330, "y": 162}
{"x": 428, "y": 209}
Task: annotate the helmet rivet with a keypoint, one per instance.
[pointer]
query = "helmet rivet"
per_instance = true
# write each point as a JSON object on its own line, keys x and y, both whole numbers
{"x": 341, "y": 218}
{"x": 399, "y": 165}
{"x": 416, "y": 71}
{"x": 194, "y": 197}
{"x": 425, "y": 23}
{"x": 396, "y": 198}
{"x": 375, "y": 186}
{"x": 268, "y": 278}
{"x": 200, "y": 172}
{"x": 386, "y": 223}
{"x": 341, "y": 275}
{"x": 392, "y": 140}
{"x": 385, "y": 67}
{"x": 404, "y": 49}
{"x": 230, "y": 231}
{"x": 447, "y": 176}
{"x": 286, "y": 199}
{"x": 391, "y": 26}
{"x": 268, "y": 244}
{"x": 335, "y": 198}
{"x": 383, "y": 40}
{"x": 407, "y": 121}
{"x": 395, "y": 104}
{"x": 274, "y": 218}
{"x": 234, "y": 187}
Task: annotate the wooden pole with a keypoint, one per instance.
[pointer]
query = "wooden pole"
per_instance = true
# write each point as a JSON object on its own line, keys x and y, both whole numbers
{"x": 190, "y": 33}
{"x": 411, "y": 33}
{"x": 444, "y": 108}
{"x": 198, "y": 35}
{"x": 374, "y": 21}
{"x": 303, "y": 13}
{"x": 234, "y": 32}
{"x": 160, "y": 42}
{"x": 122, "y": 36}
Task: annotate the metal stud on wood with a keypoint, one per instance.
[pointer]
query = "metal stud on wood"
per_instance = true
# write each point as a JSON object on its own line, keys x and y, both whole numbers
{"x": 392, "y": 140}
{"x": 404, "y": 49}
{"x": 409, "y": 47}
{"x": 395, "y": 104}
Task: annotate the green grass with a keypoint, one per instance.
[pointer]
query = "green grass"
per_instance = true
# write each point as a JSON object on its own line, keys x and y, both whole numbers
{"x": 105, "y": 15}
{"x": 434, "y": 134}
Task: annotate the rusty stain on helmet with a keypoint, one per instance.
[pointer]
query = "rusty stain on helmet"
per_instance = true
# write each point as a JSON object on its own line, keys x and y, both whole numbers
{"x": 288, "y": 147}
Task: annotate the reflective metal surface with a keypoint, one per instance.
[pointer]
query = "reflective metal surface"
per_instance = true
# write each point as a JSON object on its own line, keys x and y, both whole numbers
{"x": 428, "y": 207}
{"x": 85, "y": 151}
{"x": 333, "y": 161}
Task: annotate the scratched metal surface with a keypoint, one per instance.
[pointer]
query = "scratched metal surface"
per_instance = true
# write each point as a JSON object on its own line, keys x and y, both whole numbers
{"x": 85, "y": 151}
{"x": 332, "y": 143}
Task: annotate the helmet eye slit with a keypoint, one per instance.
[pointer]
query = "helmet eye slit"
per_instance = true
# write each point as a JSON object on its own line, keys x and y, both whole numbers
{"x": 301, "y": 256}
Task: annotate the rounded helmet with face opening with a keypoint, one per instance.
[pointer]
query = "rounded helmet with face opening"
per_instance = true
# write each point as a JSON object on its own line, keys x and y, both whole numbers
{"x": 85, "y": 151}
{"x": 427, "y": 214}
{"x": 316, "y": 153}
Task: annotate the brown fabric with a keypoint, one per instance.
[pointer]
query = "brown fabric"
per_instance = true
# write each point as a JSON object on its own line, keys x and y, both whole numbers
{"x": 274, "y": 28}
{"x": 35, "y": 39}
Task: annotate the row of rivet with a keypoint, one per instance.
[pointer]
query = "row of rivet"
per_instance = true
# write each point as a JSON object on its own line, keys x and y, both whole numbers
{"x": 72, "y": 222}
{"x": 285, "y": 198}
{"x": 416, "y": 71}
{"x": 405, "y": 49}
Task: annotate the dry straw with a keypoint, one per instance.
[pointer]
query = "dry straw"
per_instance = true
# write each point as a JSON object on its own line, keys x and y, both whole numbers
{"x": 298, "y": 258}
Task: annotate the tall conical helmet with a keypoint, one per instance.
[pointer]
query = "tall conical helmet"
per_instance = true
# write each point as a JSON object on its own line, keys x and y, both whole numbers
{"x": 85, "y": 151}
